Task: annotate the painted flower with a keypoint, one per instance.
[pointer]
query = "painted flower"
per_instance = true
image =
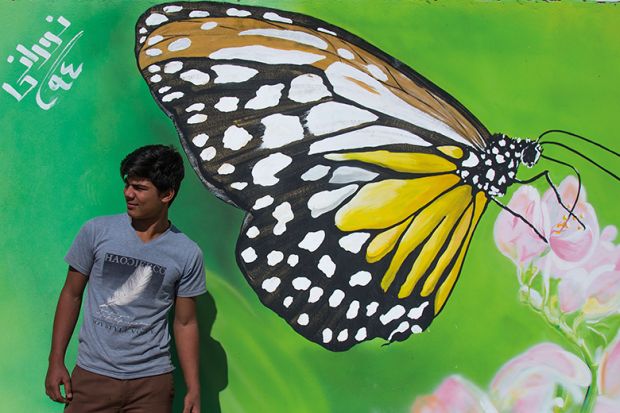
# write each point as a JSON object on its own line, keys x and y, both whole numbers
{"x": 454, "y": 395}
{"x": 516, "y": 239}
{"x": 571, "y": 243}
{"x": 543, "y": 379}
{"x": 608, "y": 400}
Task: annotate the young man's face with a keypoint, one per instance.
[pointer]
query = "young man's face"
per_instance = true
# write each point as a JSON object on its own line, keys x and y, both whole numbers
{"x": 144, "y": 201}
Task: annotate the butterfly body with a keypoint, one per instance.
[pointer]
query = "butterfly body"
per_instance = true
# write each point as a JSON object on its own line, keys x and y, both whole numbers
{"x": 362, "y": 181}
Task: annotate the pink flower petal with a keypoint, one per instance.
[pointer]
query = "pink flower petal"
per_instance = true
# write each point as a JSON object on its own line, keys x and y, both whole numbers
{"x": 528, "y": 382}
{"x": 454, "y": 395}
{"x": 609, "y": 372}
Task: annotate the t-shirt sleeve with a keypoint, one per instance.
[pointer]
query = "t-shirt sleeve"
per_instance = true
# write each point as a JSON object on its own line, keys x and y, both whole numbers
{"x": 81, "y": 255}
{"x": 193, "y": 280}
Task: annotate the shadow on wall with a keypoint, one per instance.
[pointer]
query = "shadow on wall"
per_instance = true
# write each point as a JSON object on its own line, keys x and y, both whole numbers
{"x": 213, "y": 362}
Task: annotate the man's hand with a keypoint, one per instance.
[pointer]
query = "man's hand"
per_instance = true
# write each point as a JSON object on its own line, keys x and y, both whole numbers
{"x": 57, "y": 374}
{"x": 191, "y": 403}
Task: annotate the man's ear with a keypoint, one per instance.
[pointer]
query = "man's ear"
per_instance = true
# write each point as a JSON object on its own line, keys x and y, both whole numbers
{"x": 167, "y": 196}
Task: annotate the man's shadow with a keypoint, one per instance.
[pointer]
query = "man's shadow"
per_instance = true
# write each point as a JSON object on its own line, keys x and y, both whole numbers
{"x": 213, "y": 363}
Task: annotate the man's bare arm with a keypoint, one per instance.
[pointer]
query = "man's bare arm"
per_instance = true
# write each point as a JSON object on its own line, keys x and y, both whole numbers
{"x": 67, "y": 313}
{"x": 186, "y": 339}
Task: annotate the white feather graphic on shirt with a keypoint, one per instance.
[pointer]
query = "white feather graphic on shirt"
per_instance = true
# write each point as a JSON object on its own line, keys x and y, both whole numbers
{"x": 132, "y": 288}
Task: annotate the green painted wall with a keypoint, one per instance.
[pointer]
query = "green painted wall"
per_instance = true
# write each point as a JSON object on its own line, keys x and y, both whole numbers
{"x": 521, "y": 67}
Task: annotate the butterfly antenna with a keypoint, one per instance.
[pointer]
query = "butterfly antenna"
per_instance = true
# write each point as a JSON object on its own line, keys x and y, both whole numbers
{"x": 547, "y": 176}
{"x": 583, "y": 138}
{"x": 599, "y": 166}
{"x": 516, "y": 214}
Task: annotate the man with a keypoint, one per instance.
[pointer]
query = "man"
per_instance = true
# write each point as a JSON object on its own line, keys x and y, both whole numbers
{"x": 136, "y": 266}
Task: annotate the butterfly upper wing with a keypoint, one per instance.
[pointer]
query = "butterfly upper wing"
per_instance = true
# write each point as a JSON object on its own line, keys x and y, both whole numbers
{"x": 344, "y": 158}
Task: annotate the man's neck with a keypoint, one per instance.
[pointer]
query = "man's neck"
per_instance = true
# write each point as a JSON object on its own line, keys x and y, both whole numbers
{"x": 150, "y": 228}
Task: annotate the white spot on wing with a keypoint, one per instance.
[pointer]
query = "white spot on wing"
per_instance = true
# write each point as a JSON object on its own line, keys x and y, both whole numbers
{"x": 172, "y": 96}
{"x": 196, "y": 107}
{"x": 292, "y": 260}
{"x": 164, "y": 89}
{"x": 301, "y": 283}
{"x": 197, "y": 118}
{"x": 281, "y": 130}
{"x": 416, "y": 312}
{"x": 394, "y": 313}
{"x": 292, "y": 35}
{"x": 315, "y": 294}
{"x": 198, "y": 13}
{"x": 207, "y": 154}
{"x": 353, "y": 242}
{"x": 237, "y": 13}
{"x": 402, "y": 327}
{"x": 269, "y": 55}
{"x": 361, "y": 334}
{"x": 361, "y": 278}
{"x": 347, "y": 174}
{"x": 369, "y": 137}
{"x": 154, "y": 40}
{"x": 327, "y": 335}
{"x": 276, "y": 17}
{"x": 287, "y": 301}
{"x": 155, "y": 19}
{"x": 271, "y": 284}
{"x": 353, "y": 310}
{"x": 327, "y": 266}
{"x": 346, "y": 54}
{"x": 252, "y": 232}
{"x": 416, "y": 329}
{"x": 172, "y": 8}
{"x": 315, "y": 173}
{"x": 263, "y": 202}
{"x": 326, "y": 31}
{"x": 156, "y": 79}
{"x": 264, "y": 171}
{"x": 303, "y": 319}
{"x": 238, "y": 185}
{"x": 226, "y": 169}
{"x": 325, "y": 201}
{"x": 195, "y": 77}
{"x": 331, "y": 117}
{"x": 233, "y": 73}
{"x": 153, "y": 52}
{"x": 283, "y": 214}
{"x": 274, "y": 258}
{"x": 307, "y": 88}
{"x": 227, "y": 104}
{"x": 249, "y": 255}
{"x": 343, "y": 335}
{"x": 336, "y": 298}
{"x": 154, "y": 68}
{"x": 180, "y": 44}
{"x": 372, "y": 308}
{"x": 236, "y": 138}
{"x": 267, "y": 96}
{"x": 173, "y": 67}
{"x": 208, "y": 26}
{"x": 200, "y": 140}
{"x": 312, "y": 241}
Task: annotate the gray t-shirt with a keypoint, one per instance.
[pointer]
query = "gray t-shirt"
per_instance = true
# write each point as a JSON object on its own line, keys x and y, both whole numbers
{"x": 131, "y": 287}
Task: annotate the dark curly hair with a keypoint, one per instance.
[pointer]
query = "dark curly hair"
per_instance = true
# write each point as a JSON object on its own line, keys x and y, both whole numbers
{"x": 160, "y": 164}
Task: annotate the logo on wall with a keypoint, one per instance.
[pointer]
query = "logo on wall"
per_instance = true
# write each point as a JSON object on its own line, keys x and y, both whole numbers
{"x": 48, "y": 68}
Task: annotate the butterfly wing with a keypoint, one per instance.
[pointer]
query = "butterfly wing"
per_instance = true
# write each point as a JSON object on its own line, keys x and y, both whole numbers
{"x": 344, "y": 158}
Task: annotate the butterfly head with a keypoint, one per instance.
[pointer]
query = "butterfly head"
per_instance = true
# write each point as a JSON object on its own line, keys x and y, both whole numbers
{"x": 531, "y": 152}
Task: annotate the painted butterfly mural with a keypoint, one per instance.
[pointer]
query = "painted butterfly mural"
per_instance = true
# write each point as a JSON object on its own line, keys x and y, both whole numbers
{"x": 363, "y": 182}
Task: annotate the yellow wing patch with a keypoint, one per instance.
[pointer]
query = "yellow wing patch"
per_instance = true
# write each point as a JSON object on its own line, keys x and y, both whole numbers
{"x": 399, "y": 161}
{"x": 386, "y": 203}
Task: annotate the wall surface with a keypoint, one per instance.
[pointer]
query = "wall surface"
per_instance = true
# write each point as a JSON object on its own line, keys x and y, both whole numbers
{"x": 520, "y": 67}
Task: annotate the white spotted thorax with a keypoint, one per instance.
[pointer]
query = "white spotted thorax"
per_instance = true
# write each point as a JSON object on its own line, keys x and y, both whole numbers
{"x": 495, "y": 169}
